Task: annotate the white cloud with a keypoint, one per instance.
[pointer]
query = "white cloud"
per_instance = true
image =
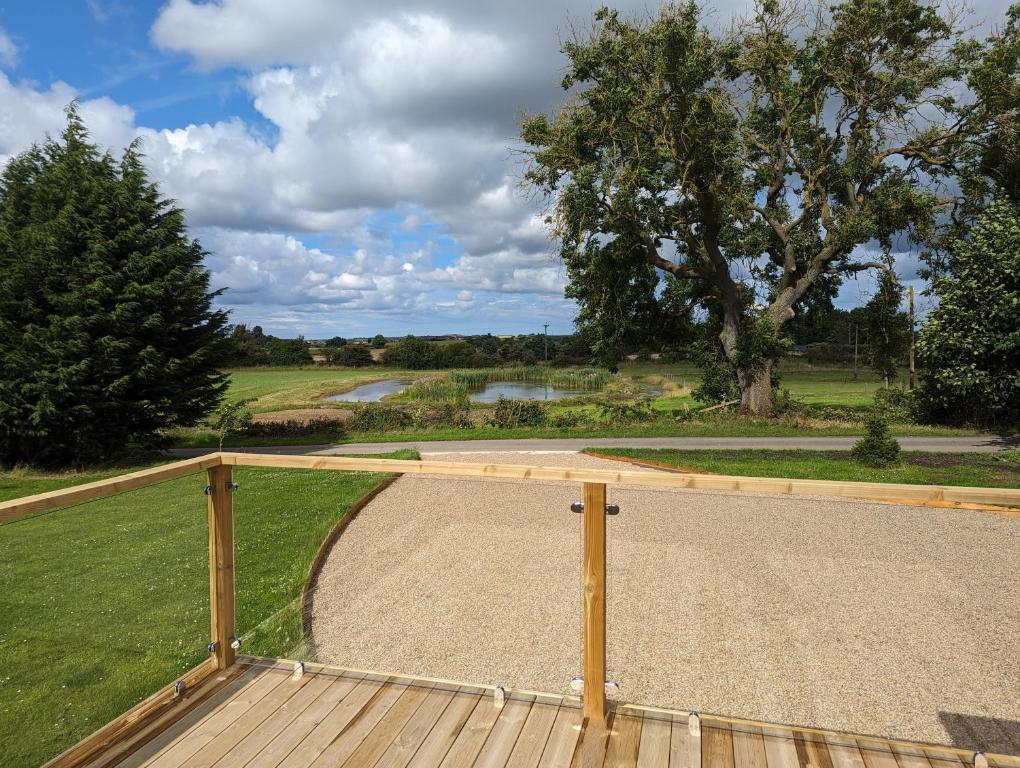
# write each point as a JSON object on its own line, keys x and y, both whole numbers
{"x": 8, "y": 50}
{"x": 27, "y": 115}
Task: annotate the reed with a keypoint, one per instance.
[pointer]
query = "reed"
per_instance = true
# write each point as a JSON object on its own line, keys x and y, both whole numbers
{"x": 588, "y": 379}
{"x": 438, "y": 390}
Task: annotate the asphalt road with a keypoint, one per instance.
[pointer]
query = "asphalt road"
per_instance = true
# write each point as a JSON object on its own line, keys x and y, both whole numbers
{"x": 981, "y": 444}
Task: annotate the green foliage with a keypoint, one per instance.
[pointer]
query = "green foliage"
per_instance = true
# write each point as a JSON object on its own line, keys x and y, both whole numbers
{"x": 293, "y": 428}
{"x": 897, "y": 405}
{"x": 378, "y": 341}
{"x": 969, "y": 346}
{"x": 886, "y": 327}
{"x": 718, "y": 383}
{"x": 628, "y": 412}
{"x": 411, "y": 353}
{"x": 253, "y": 347}
{"x": 335, "y": 342}
{"x": 591, "y": 379}
{"x": 107, "y": 332}
{"x": 379, "y": 417}
{"x": 449, "y": 414}
{"x": 683, "y": 154}
{"x": 350, "y": 355}
{"x": 288, "y": 351}
{"x": 511, "y": 414}
{"x": 877, "y": 448}
{"x": 437, "y": 390}
{"x": 231, "y": 418}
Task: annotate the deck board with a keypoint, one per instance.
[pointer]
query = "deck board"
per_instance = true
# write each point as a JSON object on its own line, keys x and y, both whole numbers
{"x": 261, "y": 716}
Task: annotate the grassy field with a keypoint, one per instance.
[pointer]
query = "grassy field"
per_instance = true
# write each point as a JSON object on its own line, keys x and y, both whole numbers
{"x": 285, "y": 388}
{"x": 829, "y": 395}
{"x": 105, "y": 602}
{"x": 834, "y": 385}
{"x": 278, "y": 389}
{"x": 975, "y": 469}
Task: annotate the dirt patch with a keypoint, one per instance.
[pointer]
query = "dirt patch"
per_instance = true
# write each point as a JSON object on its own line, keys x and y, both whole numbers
{"x": 303, "y": 415}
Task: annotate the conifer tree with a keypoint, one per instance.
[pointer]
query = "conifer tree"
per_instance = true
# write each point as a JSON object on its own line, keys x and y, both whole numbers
{"x": 107, "y": 330}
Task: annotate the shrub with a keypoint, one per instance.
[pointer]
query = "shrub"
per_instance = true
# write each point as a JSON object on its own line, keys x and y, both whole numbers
{"x": 718, "y": 383}
{"x": 969, "y": 346}
{"x": 231, "y": 419}
{"x": 294, "y": 428}
{"x": 567, "y": 419}
{"x": 379, "y": 417}
{"x": 877, "y": 448}
{"x": 897, "y": 405}
{"x": 509, "y": 414}
{"x": 627, "y": 412}
{"x": 442, "y": 415}
{"x": 437, "y": 391}
{"x": 351, "y": 355}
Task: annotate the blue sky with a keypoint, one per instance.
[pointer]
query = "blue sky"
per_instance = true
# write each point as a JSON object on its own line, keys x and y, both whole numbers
{"x": 349, "y": 166}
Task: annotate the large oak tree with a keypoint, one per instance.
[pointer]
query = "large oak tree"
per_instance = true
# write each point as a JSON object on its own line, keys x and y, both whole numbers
{"x": 754, "y": 163}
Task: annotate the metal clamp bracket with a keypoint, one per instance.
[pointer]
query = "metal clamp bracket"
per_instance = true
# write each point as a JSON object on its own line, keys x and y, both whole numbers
{"x": 578, "y": 508}
{"x": 230, "y": 486}
{"x": 178, "y": 688}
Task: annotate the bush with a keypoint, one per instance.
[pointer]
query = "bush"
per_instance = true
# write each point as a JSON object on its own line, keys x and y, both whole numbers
{"x": 877, "y": 448}
{"x": 510, "y": 414}
{"x": 718, "y": 383}
{"x": 567, "y": 419}
{"x": 293, "y": 428}
{"x": 378, "y": 417}
{"x": 351, "y": 355}
{"x": 969, "y": 346}
{"x": 627, "y": 412}
{"x": 897, "y": 405}
{"x": 442, "y": 415}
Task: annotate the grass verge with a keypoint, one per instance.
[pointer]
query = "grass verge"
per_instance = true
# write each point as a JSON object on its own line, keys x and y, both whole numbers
{"x": 105, "y": 602}
{"x": 974, "y": 469}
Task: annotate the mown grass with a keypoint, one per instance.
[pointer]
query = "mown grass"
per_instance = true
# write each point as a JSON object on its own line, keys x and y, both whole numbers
{"x": 721, "y": 427}
{"x": 974, "y": 469}
{"x": 105, "y": 602}
{"x": 279, "y": 389}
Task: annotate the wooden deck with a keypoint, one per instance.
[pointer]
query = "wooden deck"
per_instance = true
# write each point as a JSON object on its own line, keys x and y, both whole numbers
{"x": 258, "y": 714}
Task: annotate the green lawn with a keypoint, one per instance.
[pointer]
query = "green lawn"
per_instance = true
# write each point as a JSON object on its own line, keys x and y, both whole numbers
{"x": 278, "y": 389}
{"x": 832, "y": 385}
{"x": 105, "y": 602}
{"x": 975, "y": 469}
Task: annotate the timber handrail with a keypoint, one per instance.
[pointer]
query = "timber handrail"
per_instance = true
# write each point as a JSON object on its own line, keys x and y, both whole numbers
{"x": 897, "y": 493}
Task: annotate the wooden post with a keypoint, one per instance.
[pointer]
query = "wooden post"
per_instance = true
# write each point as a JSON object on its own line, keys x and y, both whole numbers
{"x": 910, "y": 380}
{"x": 221, "y": 564}
{"x": 594, "y": 564}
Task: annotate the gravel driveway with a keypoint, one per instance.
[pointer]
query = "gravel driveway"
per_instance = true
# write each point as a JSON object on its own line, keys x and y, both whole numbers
{"x": 889, "y": 620}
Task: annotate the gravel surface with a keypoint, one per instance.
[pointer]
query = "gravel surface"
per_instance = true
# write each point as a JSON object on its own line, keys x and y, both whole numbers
{"x": 869, "y": 618}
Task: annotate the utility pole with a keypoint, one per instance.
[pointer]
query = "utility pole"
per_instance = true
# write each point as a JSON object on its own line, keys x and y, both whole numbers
{"x": 857, "y": 334}
{"x": 910, "y": 378}
{"x": 546, "y": 327}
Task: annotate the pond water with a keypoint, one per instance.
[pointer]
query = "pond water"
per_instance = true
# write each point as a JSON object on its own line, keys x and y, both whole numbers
{"x": 522, "y": 390}
{"x": 514, "y": 390}
{"x": 370, "y": 393}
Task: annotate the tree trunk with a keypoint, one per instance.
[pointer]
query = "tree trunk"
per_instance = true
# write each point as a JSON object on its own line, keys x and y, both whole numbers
{"x": 756, "y": 389}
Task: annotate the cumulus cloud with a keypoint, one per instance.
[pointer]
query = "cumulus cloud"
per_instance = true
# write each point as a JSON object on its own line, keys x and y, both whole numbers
{"x": 378, "y": 180}
{"x": 27, "y": 115}
{"x": 8, "y": 50}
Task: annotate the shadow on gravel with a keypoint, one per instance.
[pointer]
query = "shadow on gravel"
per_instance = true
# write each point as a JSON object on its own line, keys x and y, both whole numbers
{"x": 989, "y": 734}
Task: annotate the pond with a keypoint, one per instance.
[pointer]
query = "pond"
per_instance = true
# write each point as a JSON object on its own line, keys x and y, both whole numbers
{"x": 370, "y": 393}
{"x": 522, "y": 390}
